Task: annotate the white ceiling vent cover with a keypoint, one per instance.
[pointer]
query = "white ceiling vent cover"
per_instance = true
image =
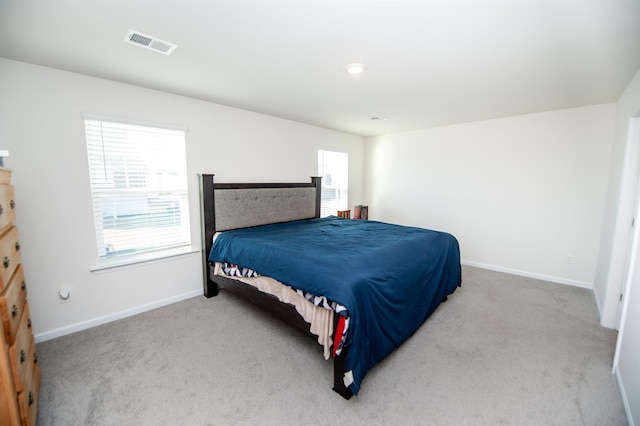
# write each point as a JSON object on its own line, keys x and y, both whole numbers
{"x": 149, "y": 42}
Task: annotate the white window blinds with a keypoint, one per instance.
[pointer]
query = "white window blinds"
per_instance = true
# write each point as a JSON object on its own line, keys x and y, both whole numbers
{"x": 334, "y": 169}
{"x": 139, "y": 189}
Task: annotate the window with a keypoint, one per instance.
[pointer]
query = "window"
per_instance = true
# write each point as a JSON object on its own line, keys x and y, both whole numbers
{"x": 139, "y": 190}
{"x": 334, "y": 169}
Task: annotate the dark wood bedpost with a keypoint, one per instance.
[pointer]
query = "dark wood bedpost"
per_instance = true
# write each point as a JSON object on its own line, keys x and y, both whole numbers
{"x": 339, "y": 363}
{"x": 208, "y": 227}
{"x": 338, "y": 375}
{"x": 317, "y": 181}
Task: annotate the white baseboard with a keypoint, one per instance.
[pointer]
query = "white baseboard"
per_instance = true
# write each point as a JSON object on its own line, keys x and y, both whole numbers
{"x": 623, "y": 393}
{"x": 599, "y": 307}
{"x": 48, "y": 335}
{"x": 527, "y": 274}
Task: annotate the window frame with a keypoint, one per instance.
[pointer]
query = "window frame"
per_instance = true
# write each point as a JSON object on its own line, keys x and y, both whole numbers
{"x": 171, "y": 211}
{"x": 329, "y": 181}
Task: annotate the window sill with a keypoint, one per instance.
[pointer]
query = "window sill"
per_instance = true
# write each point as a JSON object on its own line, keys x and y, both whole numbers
{"x": 141, "y": 259}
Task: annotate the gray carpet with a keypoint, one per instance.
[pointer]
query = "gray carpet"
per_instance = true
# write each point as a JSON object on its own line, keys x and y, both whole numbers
{"x": 502, "y": 350}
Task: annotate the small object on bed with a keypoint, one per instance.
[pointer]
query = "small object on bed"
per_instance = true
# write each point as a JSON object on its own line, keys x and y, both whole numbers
{"x": 361, "y": 212}
{"x": 344, "y": 214}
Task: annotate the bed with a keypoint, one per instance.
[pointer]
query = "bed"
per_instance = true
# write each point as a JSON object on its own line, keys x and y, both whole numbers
{"x": 360, "y": 287}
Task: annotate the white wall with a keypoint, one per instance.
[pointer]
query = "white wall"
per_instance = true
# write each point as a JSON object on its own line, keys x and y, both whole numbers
{"x": 521, "y": 194}
{"x": 42, "y": 127}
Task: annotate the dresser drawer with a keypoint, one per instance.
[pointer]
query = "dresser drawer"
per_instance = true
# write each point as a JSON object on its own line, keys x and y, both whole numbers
{"x": 12, "y": 303}
{"x": 28, "y": 396}
{"x": 19, "y": 350}
{"x": 8, "y": 403}
{"x": 7, "y": 206}
{"x": 9, "y": 254}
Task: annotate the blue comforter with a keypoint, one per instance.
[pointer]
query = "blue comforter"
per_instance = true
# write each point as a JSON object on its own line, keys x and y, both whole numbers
{"x": 389, "y": 277}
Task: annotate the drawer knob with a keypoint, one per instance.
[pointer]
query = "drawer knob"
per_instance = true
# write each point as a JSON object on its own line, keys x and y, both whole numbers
{"x": 5, "y": 262}
{"x": 17, "y": 245}
{"x": 1, "y": 209}
{"x": 12, "y": 204}
{"x": 28, "y": 322}
{"x": 14, "y": 311}
{"x": 35, "y": 358}
{"x": 30, "y": 398}
{"x": 23, "y": 286}
{"x": 23, "y": 356}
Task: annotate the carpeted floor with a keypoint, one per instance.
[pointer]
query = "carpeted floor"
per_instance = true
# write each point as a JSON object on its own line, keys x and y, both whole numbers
{"x": 502, "y": 350}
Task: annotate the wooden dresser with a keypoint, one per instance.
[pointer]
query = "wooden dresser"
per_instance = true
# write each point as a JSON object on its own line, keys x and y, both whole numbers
{"x": 19, "y": 369}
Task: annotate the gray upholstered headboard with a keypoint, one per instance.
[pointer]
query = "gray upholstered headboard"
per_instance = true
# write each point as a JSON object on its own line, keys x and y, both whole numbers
{"x": 225, "y": 206}
{"x": 244, "y": 207}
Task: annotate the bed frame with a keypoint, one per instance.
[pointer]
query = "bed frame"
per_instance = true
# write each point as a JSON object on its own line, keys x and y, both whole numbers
{"x": 226, "y": 206}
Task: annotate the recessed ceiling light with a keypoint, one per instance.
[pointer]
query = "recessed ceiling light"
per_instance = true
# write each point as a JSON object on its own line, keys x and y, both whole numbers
{"x": 355, "y": 68}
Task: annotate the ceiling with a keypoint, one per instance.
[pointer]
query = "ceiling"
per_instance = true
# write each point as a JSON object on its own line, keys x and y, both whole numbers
{"x": 428, "y": 63}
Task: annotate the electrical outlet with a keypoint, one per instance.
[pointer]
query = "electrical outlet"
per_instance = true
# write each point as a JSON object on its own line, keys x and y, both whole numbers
{"x": 65, "y": 294}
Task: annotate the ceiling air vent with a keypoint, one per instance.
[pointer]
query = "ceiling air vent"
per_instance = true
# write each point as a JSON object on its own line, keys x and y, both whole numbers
{"x": 149, "y": 42}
